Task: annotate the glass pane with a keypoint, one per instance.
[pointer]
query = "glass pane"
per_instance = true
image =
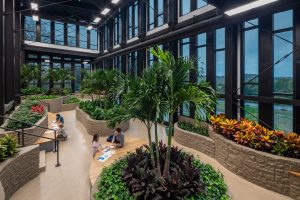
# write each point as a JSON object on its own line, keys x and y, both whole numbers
{"x": 45, "y": 68}
{"x": 136, "y": 19}
{"x": 251, "y": 23}
{"x": 82, "y": 37}
{"x": 185, "y": 6}
{"x": 59, "y": 33}
{"x": 151, "y": 15}
{"x": 283, "y": 20}
{"x": 283, "y": 117}
{"x": 251, "y": 110}
{"x": 251, "y": 89}
{"x": 45, "y": 31}
{"x": 201, "y": 39}
{"x": 220, "y": 108}
{"x": 94, "y": 39}
{"x": 220, "y": 38}
{"x": 201, "y": 63}
{"x": 30, "y": 29}
{"x": 220, "y": 69}
{"x": 72, "y": 35}
{"x": 186, "y": 109}
{"x": 77, "y": 76}
{"x": 201, "y": 3}
{"x": 283, "y": 72}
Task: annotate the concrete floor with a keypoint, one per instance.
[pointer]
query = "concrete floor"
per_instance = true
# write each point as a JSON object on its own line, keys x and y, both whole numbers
{"x": 71, "y": 180}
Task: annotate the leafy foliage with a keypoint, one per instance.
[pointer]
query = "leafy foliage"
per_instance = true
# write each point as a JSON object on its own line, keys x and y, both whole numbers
{"x": 190, "y": 179}
{"x": 41, "y": 97}
{"x": 111, "y": 185}
{"x": 24, "y": 113}
{"x": 72, "y": 100}
{"x": 8, "y": 147}
{"x": 29, "y": 74}
{"x": 192, "y": 128}
{"x": 255, "y": 136}
{"x": 32, "y": 90}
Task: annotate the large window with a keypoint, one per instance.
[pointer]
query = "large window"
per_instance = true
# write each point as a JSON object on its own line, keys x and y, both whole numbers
{"x": 45, "y": 31}
{"x": 82, "y": 37}
{"x": 184, "y": 51}
{"x": 283, "y": 72}
{"x": 77, "y": 76}
{"x": 30, "y": 28}
{"x": 201, "y": 57}
{"x": 132, "y": 63}
{"x": 187, "y": 6}
{"x": 67, "y": 84}
{"x": 132, "y": 20}
{"x": 220, "y": 67}
{"x": 250, "y": 57}
{"x": 117, "y": 29}
{"x": 94, "y": 39}
{"x": 155, "y": 11}
{"x": 117, "y": 63}
{"x": 59, "y": 33}
{"x": 106, "y": 36}
{"x": 71, "y": 35}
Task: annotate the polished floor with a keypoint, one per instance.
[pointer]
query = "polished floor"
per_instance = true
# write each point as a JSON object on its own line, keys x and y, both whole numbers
{"x": 71, "y": 180}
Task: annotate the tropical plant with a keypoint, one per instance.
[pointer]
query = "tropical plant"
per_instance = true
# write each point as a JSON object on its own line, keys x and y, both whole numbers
{"x": 59, "y": 75}
{"x": 8, "y": 147}
{"x": 30, "y": 74}
{"x": 256, "y": 136}
{"x": 24, "y": 116}
{"x": 32, "y": 90}
{"x": 178, "y": 91}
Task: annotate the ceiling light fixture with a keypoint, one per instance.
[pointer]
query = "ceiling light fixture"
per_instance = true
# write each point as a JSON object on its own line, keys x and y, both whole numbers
{"x": 85, "y": 62}
{"x": 34, "y": 6}
{"x": 89, "y": 28}
{"x": 47, "y": 61}
{"x": 35, "y": 18}
{"x": 105, "y": 11}
{"x": 248, "y": 6}
{"x": 115, "y": 1}
{"x": 97, "y": 19}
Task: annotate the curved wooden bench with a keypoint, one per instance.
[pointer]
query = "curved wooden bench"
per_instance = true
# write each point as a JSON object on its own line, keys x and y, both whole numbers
{"x": 295, "y": 173}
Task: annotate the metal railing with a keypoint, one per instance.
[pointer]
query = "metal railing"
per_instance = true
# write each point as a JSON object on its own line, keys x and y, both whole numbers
{"x": 21, "y": 133}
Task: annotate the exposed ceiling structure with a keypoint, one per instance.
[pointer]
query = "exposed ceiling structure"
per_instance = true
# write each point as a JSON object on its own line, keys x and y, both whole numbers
{"x": 79, "y": 11}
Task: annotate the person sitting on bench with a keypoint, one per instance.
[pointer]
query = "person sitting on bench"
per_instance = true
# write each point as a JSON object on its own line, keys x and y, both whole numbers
{"x": 60, "y": 124}
{"x": 117, "y": 138}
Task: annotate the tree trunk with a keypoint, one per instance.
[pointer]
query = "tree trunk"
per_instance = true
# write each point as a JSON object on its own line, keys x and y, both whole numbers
{"x": 168, "y": 156}
{"x": 151, "y": 146}
{"x": 157, "y": 150}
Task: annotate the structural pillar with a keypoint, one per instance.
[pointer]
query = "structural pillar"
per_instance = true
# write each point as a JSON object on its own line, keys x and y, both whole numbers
{"x": 2, "y": 88}
{"x": 297, "y": 71}
{"x": 18, "y": 59}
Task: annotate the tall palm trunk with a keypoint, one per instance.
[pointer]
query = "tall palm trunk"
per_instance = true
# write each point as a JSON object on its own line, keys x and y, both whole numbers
{"x": 168, "y": 156}
{"x": 150, "y": 145}
{"x": 157, "y": 149}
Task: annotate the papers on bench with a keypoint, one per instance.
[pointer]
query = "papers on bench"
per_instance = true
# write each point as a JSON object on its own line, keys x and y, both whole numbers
{"x": 106, "y": 154}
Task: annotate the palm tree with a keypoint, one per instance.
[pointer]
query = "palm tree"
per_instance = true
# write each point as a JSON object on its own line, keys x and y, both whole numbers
{"x": 178, "y": 91}
{"x": 30, "y": 73}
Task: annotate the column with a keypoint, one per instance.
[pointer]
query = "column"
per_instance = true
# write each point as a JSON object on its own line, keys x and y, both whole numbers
{"x": 297, "y": 71}
{"x": 231, "y": 70}
{"x": 2, "y": 88}
{"x": 18, "y": 39}
{"x": 266, "y": 77}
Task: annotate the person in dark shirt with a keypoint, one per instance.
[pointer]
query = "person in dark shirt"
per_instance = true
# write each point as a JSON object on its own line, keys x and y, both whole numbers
{"x": 117, "y": 138}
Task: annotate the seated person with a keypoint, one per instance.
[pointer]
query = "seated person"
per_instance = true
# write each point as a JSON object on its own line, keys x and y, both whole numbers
{"x": 59, "y": 119}
{"x": 96, "y": 144}
{"x": 117, "y": 138}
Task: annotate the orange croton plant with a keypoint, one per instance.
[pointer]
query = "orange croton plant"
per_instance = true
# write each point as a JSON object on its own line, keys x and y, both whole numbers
{"x": 248, "y": 133}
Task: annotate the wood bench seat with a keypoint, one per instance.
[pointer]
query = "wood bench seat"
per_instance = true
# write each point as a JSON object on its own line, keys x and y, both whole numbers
{"x": 295, "y": 173}
{"x": 46, "y": 144}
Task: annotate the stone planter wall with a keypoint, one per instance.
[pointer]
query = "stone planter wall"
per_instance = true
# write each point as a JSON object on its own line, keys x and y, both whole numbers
{"x": 97, "y": 126}
{"x": 28, "y": 139}
{"x": 195, "y": 141}
{"x": 54, "y": 104}
{"x": 16, "y": 172}
{"x": 263, "y": 169}
{"x": 70, "y": 106}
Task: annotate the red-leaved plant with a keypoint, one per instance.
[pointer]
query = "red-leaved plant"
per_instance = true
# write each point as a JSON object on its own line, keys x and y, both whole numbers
{"x": 39, "y": 109}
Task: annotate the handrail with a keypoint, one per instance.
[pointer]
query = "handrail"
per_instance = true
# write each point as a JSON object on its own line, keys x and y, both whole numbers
{"x": 56, "y": 141}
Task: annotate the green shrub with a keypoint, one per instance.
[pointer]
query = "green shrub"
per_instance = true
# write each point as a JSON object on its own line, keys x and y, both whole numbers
{"x": 192, "y": 128}
{"x": 111, "y": 185}
{"x": 41, "y": 97}
{"x": 132, "y": 177}
{"x": 32, "y": 90}
{"x": 72, "y": 100}
{"x": 24, "y": 113}
{"x": 8, "y": 147}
